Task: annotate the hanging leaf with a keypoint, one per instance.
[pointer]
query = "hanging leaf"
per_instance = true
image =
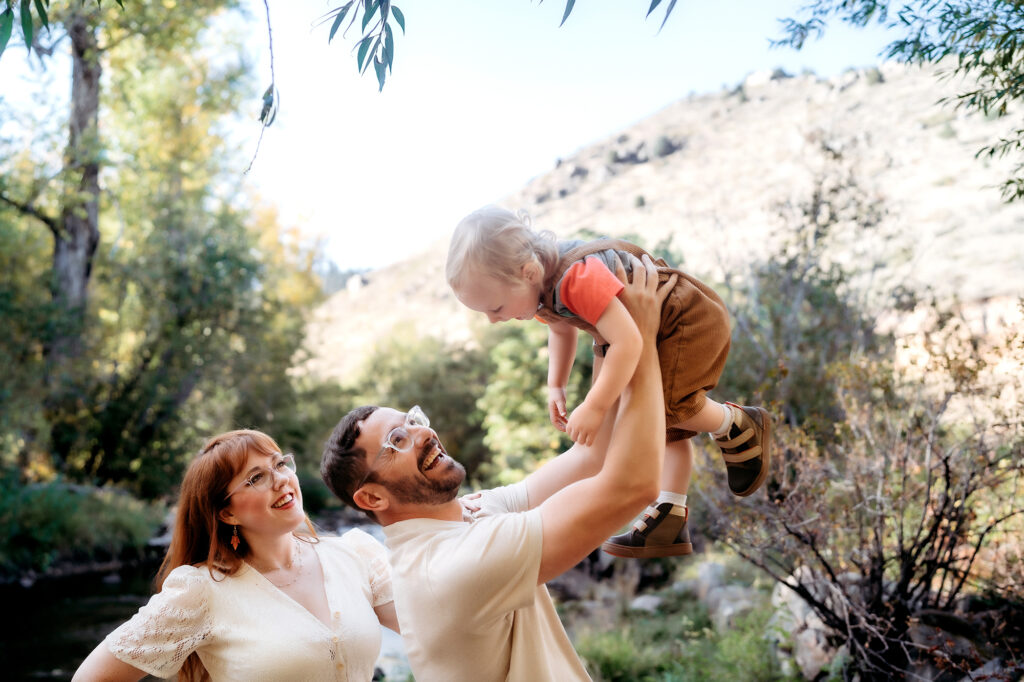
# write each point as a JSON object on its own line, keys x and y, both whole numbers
{"x": 389, "y": 45}
{"x": 381, "y": 69}
{"x": 568, "y": 11}
{"x": 6, "y": 22}
{"x": 41, "y": 11}
{"x": 26, "y": 22}
{"x": 368, "y": 14}
{"x": 654, "y": 3}
{"x": 364, "y": 45}
{"x": 399, "y": 17}
{"x": 671, "y": 4}
{"x": 337, "y": 21}
{"x": 269, "y": 111}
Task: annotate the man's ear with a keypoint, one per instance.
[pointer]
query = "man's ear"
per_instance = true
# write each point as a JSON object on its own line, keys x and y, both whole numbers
{"x": 372, "y": 497}
{"x": 532, "y": 272}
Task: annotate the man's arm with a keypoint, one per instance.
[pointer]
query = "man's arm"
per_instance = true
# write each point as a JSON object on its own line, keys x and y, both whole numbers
{"x": 579, "y": 517}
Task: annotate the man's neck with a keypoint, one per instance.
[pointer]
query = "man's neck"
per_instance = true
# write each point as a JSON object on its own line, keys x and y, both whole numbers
{"x": 446, "y": 511}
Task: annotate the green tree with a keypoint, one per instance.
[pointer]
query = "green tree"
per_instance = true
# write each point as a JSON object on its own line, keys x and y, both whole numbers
{"x": 67, "y": 203}
{"x": 196, "y": 293}
{"x": 520, "y": 435}
{"x": 979, "y": 39}
{"x": 196, "y": 305}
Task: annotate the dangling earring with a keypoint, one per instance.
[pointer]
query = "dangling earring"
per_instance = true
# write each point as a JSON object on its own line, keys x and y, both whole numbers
{"x": 234, "y": 538}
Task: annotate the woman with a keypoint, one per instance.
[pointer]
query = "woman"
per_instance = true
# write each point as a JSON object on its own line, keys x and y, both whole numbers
{"x": 242, "y": 594}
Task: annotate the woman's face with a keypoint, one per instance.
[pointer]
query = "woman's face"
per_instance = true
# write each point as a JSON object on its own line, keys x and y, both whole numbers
{"x": 264, "y": 496}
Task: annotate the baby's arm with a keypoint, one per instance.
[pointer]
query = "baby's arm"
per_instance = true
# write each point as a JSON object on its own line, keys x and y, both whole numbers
{"x": 619, "y": 330}
{"x": 561, "y": 354}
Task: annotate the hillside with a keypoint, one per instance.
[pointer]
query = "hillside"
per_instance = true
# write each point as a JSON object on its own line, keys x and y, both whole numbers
{"x": 712, "y": 171}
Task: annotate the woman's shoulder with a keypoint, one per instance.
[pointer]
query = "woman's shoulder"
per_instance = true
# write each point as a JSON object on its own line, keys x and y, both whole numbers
{"x": 192, "y": 575}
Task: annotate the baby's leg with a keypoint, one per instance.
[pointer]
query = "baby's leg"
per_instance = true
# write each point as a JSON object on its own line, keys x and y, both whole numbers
{"x": 712, "y": 418}
{"x": 675, "y": 473}
{"x": 743, "y": 434}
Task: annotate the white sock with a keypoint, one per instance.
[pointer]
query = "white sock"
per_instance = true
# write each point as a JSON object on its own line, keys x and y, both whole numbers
{"x": 669, "y": 496}
{"x": 726, "y": 424}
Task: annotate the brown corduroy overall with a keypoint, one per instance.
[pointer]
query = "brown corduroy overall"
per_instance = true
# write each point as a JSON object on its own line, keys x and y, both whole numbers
{"x": 693, "y": 338}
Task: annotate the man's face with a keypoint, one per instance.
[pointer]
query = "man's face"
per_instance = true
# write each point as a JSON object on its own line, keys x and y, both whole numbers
{"x": 421, "y": 473}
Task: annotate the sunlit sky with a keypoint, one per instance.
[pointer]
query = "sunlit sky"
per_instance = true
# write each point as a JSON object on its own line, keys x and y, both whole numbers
{"x": 485, "y": 95}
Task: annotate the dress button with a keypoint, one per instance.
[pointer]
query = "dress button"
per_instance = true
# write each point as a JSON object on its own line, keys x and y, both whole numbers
{"x": 337, "y": 614}
{"x": 334, "y": 639}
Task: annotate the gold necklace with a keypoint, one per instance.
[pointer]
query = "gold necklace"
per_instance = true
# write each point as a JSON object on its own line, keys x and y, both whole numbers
{"x": 287, "y": 567}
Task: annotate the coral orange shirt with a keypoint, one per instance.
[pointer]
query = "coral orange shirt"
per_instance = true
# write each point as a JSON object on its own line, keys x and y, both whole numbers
{"x": 587, "y": 288}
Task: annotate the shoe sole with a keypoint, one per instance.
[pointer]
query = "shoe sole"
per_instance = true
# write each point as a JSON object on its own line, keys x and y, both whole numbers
{"x": 766, "y": 459}
{"x": 627, "y": 552}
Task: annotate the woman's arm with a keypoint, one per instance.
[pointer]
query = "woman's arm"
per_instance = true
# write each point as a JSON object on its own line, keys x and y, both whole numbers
{"x": 387, "y": 616}
{"x": 103, "y": 666}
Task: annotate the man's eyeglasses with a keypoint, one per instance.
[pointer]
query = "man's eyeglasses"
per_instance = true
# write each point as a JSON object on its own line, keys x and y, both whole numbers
{"x": 263, "y": 478}
{"x": 398, "y": 438}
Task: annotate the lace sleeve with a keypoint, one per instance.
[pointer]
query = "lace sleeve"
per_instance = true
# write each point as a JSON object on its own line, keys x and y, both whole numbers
{"x": 172, "y": 625}
{"x": 375, "y": 557}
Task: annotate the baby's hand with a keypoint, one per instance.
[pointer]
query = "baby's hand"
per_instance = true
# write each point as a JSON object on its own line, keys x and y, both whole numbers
{"x": 583, "y": 423}
{"x": 470, "y": 505}
{"x": 556, "y": 407}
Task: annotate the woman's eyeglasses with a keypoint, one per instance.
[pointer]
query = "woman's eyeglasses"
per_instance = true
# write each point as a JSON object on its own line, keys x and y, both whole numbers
{"x": 263, "y": 478}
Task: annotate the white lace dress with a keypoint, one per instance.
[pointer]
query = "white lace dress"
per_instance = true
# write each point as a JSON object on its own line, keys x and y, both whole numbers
{"x": 244, "y": 628}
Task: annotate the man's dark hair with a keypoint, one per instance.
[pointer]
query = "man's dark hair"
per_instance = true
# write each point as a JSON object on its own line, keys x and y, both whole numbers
{"x": 343, "y": 465}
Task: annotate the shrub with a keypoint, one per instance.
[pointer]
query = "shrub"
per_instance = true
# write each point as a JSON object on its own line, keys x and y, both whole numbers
{"x": 663, "y": 146}
{"x": 42, "y": 524}
{"x": 886, "y": 520}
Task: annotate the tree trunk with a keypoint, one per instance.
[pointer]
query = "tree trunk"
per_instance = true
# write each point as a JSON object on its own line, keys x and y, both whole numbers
{"x": 76, "y": 234}
{"x": 76, "y": 241}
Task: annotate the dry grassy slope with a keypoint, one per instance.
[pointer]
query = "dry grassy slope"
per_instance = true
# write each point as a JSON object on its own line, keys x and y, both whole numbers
{"x": 718, "y": 196}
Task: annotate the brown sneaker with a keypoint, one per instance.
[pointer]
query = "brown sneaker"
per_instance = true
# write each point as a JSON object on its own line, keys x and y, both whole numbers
{"x": 661, "y": 531}
{"x": 746, "y": 449}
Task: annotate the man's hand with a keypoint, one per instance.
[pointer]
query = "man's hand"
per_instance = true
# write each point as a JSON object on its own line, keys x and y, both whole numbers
{"x": 643, "y": 297}
{"x": 556, "y": 407}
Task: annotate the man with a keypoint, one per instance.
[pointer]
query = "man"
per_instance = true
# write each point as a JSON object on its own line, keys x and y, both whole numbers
{"x": 469, "y": 590}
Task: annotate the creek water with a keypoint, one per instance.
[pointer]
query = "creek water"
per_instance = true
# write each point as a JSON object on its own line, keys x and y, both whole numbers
{"x": 48, "y": 629}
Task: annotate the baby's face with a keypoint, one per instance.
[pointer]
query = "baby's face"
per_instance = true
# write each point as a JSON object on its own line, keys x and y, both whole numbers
{"x": 501, "y": 301}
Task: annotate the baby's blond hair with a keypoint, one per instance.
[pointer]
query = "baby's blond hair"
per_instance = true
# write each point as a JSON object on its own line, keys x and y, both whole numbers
{"x": 497, "y": 242}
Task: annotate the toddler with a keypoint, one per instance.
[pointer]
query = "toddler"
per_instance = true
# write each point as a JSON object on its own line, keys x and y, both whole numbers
{"x": 499, "y": 266}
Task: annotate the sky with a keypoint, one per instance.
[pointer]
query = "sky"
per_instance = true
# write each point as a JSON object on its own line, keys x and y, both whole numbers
{"x": 484, "y": 95}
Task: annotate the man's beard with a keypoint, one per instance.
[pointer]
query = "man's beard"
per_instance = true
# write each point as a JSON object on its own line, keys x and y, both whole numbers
{"x": 410, "y": 490}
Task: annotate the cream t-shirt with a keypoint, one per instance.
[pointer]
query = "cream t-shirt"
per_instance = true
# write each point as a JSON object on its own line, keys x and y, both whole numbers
{"x": 468, "y": 602}
{"x": 244, "y": 628}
